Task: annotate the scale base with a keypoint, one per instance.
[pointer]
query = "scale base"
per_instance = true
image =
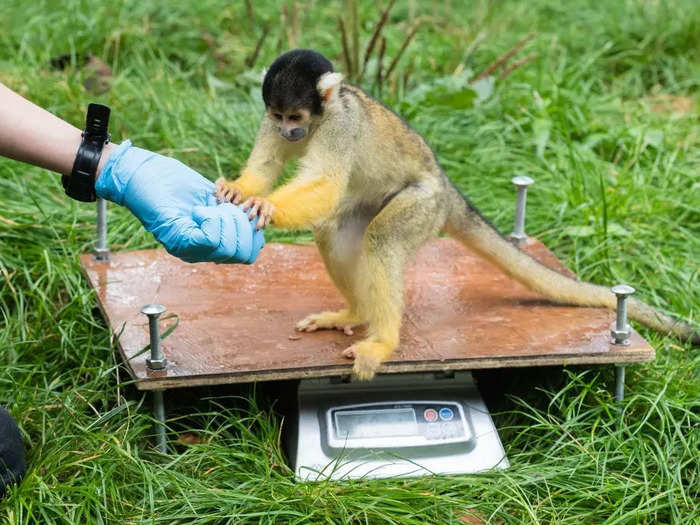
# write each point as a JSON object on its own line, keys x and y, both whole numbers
{"x": 314, "y": 460}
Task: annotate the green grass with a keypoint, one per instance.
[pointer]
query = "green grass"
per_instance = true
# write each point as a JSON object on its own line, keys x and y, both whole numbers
{"x": 617, "y": 197}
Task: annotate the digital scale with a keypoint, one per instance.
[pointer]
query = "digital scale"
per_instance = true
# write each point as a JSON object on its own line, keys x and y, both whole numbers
{"x": 393, "y": 426}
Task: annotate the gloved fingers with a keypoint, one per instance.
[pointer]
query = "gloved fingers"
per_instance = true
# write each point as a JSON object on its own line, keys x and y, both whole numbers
{"x": 242, "y": 230}
{"x": 228, "y": 229}
{"x": 185, "y": 239}
{"x": 211, "y": 200}
{"x": 248, "y": 247}
{"x": 209, "y": 223}
{"x": 189, "y": 240}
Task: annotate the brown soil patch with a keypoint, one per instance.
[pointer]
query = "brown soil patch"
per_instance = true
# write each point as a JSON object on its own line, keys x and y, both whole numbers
{"x": 672, "y": 104}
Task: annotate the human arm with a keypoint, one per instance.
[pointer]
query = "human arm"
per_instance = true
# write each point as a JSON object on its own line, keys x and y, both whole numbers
{"x": 172, "y": 201}
{"x": 31, "y": 134}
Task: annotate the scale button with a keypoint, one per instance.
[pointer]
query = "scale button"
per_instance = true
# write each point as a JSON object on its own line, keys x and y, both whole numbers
{"x": 446, "y": 414}
{"x": 430, "y": 415}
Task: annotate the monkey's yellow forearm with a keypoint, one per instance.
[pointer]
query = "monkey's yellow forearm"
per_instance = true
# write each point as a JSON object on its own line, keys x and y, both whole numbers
{"x": 302, "y": 204}
{"x": 252, "y": 184}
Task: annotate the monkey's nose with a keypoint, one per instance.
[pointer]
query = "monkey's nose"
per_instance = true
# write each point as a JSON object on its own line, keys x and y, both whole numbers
{"x": 295, "y": 134}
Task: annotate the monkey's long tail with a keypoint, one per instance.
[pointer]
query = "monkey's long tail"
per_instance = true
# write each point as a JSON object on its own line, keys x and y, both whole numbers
{"x": 466, "y": 224}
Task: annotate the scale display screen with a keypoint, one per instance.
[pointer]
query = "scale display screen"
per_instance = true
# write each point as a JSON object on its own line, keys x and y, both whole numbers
{"x": 391, "y": 425}
{"x": 388, "y": 422}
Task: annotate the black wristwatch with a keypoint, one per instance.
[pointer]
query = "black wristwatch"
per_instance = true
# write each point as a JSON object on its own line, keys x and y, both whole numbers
{"x": 80, "y": 184}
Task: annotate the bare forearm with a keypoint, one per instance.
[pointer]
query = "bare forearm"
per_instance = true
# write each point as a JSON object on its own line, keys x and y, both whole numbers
{"x": 31, "y": 134}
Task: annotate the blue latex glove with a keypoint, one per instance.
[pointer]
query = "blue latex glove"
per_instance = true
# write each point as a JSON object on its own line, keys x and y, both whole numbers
{"x": 178, "y": 206}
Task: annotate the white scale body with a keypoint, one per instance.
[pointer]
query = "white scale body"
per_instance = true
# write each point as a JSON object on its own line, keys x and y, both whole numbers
{"x": 393, "y": 426}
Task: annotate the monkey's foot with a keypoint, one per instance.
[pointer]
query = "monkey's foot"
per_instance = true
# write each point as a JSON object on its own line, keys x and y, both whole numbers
{"x": 341, "y": 320}
{"x": 369, "y": 355}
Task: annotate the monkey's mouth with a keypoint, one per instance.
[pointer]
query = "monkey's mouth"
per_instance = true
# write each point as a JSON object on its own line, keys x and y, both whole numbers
{"x": 294, "y": 139}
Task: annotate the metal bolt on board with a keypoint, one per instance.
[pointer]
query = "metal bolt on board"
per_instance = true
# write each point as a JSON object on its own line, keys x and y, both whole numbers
{"x": 156, "y": 361}
{"x": 621, "y": 331}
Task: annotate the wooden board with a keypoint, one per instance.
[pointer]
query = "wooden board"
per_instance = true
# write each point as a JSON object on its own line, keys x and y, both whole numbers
{"x": 236, "y": 322}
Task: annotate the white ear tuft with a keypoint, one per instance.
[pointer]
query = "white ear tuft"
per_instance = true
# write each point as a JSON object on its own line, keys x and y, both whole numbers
{"x": 262, "y": 74}
{"x": 328, "y": 81}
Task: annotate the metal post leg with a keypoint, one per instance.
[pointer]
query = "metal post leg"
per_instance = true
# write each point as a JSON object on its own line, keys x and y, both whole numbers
{"x": 620, "y": 332}
{"x": 159, "y": 415}
{"x": 521, "y": 183}
{"x": 101, "y": 248}
{"x": 619, "y": 382}
{"x": 157, "y": 363}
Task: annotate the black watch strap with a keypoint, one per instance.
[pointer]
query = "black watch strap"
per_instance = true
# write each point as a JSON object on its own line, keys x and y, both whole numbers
{"x": 80, "y": 184}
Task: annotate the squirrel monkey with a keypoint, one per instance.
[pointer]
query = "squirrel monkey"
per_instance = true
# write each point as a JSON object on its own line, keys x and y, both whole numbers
{"x": 372, "y": 191}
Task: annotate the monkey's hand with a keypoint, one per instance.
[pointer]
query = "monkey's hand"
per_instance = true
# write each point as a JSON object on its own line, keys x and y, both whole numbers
{"x": 227, "y": 191}
{"x": 261, "y": 208}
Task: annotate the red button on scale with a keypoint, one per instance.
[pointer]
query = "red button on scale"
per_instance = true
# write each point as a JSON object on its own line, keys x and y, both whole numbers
{"x": 430, "y": 415}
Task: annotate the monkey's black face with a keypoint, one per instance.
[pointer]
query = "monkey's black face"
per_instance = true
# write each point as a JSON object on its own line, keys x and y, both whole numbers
{"x": 293, "y": 125}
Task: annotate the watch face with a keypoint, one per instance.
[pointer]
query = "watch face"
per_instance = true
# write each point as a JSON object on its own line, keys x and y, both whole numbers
{"x": 97, "y": 122}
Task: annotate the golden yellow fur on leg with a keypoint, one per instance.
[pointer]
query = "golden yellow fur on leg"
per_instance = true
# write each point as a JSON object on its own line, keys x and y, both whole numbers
{"x": 379, "y": 295}
{"x": 341, "y": 272}
{"x": 343, "y": 320}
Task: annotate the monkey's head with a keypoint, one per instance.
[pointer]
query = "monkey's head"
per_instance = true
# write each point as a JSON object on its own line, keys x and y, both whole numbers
{"x": 297, "y": 87}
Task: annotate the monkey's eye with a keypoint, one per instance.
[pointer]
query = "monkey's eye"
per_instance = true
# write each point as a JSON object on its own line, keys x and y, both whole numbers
{"x": 295, "y": 117}
{"x": 278, "y": 116}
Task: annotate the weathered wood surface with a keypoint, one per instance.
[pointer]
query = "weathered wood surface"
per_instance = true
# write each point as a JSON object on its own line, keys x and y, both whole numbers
{"x": 236, "y": 322}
